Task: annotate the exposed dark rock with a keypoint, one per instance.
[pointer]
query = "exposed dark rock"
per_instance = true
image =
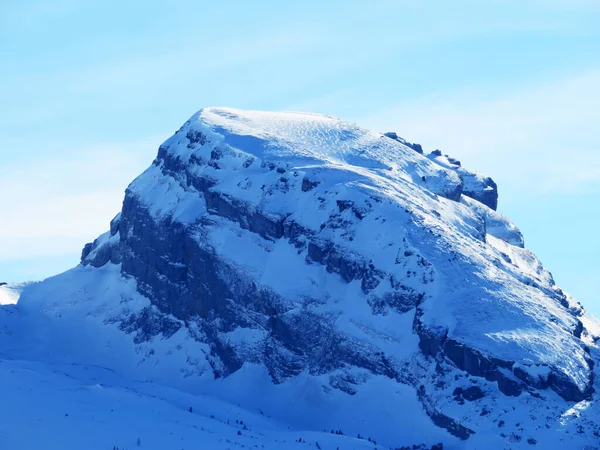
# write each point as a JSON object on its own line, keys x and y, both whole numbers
{"x": 435, "y": 342}
{"x": 187, "y": 279}
{"x": 481, "y": 188}
{"x": 349, "y": 266}
{"x": 439, "y": 446}
{"x": 454, "y": 193}
{"x": 252, "y": 219}
{"x": 100, "y": 252}
{"x": 308, "y": 185}
{"x": 537, "y": 382}
{"x": 344, "y": 383}
{"x": 431, "y": 339}
{"x": 172, "y": 268}
{"x": 149, "y": 323}
{"x": 358, "y": 212}
{"x": 473, "y": 393}
{"x": 578, "y": 329}
{"x": 402, "y": 300}
{"x": 476, "y": 364}
{"x": 443, "y": 421}
{"x": 568, "y": 390}
{"x": 484, "y": 191}
{"x": 394, "y": 136}
{"x": 87, "y": 248}
{"x": 114, "y": 224}
{"x": 509, "y": 387}
{"x": 195, "y": 138}
{"x": 454, "y": 161}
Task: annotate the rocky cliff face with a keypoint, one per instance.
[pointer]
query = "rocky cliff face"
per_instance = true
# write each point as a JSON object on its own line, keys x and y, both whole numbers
{"x": 307, "y": 244}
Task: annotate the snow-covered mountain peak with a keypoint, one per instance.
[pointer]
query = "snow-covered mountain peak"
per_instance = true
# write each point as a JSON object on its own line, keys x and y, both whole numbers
{"x": 308, "y": 251}
{"x": 292, "y": 139}
{"x": 305, "y": 189}
{"x": 295, "y": 134}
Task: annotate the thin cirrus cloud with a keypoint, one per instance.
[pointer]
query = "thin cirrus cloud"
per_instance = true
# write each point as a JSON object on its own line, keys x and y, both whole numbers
{"x": 59, "y": 204}
{"x": 196, "y": 58}
{"x": 173, "y": 63}
{"x": 542, "y": 138}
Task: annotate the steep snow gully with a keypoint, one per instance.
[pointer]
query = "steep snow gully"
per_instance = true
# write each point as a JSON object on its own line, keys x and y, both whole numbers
{"x": 293, "y": 280}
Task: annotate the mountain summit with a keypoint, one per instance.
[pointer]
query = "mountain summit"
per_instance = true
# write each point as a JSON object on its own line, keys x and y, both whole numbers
{"x": 305, "y": 259}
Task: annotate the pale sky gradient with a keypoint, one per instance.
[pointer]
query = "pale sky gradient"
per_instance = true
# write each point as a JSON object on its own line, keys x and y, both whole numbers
{"x": 88, "y": 90}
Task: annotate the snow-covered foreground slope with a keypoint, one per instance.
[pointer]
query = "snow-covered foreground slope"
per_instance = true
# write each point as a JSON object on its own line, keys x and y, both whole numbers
{"x": 326, "y": 275}
{"x": 71, "y": 372}
{"x": 87, "y": 407}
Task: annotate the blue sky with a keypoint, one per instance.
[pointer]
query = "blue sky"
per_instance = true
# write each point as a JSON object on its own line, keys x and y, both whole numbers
{"x": 88, "y": 90}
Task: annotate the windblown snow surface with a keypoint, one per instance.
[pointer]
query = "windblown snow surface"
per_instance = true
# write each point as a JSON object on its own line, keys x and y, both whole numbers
{"x": 77, "y": 371}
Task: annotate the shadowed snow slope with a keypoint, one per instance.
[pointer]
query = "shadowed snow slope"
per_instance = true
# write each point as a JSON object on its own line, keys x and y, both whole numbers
{"x": 319, "y": 276}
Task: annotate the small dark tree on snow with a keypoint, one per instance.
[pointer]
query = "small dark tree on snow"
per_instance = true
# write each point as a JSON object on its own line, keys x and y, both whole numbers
{"x": 191, "y": 410}
{"x": 138, "y": 442}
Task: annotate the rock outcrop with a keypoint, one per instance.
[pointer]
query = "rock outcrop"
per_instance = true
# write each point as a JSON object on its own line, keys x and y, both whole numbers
{"x": 416, "y": 147}
{"x": 476, "y": 186}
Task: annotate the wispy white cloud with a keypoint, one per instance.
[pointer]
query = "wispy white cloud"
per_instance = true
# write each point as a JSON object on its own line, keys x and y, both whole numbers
{"x": 585, "y": 5}
{"x": 542, "y": 138}
{"x": 197, "y": 58}
{"x": 54, "y": 206}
